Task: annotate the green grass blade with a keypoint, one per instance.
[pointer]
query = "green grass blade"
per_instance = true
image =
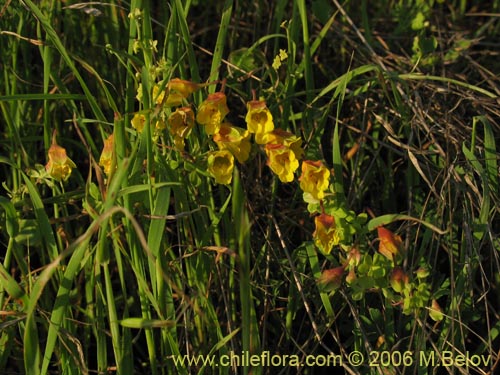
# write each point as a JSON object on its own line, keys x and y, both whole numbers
{"x": 343, "y": 80}
{"x": 338, "y": 182}
{"x": 43, "y": 220}
{"x": 301, "y": 4}
{"x": 250, "y": 337}
{"x": 10, "y": 285}
{"x": 425, "y": 77}
{"x": 390, "y": 218}
{"x": 316, "y": 271}
{"x": 186, "y": 37}
{"x": 38, "y": 96}
{"x": 490, "y": 155}
{"x": 220, "y": 43}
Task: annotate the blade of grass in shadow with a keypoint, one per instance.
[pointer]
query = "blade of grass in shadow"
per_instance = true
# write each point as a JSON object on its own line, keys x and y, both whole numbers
{"x": 184, "y": 29}
{"x": 488, "y": 173}
{"x": 114, "y": 325}
{"x": 220, "y": 345}
{"x": 316, "y": 271}
{"x": 10, "y": 285}
{"x": 309, "y": 79}
{"x": 42, "y": 219}
{"x": 54, "y": 38}
{"x": 46, "y": 52}
{"x": 316, "y": 43}
{"x": 338, "y": 182}
{"x": 38, "y": 96}
{"x": 301, "y": 4}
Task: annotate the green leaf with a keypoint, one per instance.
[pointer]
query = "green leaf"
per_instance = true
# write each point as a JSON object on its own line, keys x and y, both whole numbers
{"x": 141, "y": 323}
{"x": 418, "y": 23}
{"x": 11, "y": 223}
{"x": 390, "y": 218}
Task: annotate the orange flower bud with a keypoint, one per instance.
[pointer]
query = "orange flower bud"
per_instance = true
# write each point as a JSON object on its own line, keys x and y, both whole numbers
{"x": 390, "y": 244}
{"x": 351, "y": 277}
{"x": 354, "y": 257}
{"x": 106, "y": 159}
{"x": 59, "y": 165}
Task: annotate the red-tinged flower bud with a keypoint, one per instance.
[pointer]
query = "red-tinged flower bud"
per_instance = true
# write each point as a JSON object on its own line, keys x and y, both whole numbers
{"x": 59, "y": 165}
{"x": 422, "y": 272}
{"x": 351, "y": 277}
{"x": 435, "y": 311}
{"x": 106, "y": 161}
{"x": 354, "y": 257}
{"x": 390, "y": 244}
{"x": 399, "y": 279}
{"x": 331, "y": 279}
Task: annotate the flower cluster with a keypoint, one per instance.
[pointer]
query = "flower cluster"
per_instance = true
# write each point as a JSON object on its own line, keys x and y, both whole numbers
{"x": 173, "y": 112}
{"x": 335, "y": 226}
{"x": 282, "y": 148}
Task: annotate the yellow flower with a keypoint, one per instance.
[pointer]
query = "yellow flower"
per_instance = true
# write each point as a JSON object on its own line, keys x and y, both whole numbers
{"x": 314, "y": 178}
{"x": 158, "y": 96}
{"x": 288, "y": 139}
{"x": 183, "y": 87}
{"x": 176, "y": 89}
{"x": 234, "y": 139}
{"x": 259, "y": 120}
{"x": 390, "y": 244}
{"x": 220, "y": 166}
{"x": 106, "y": 159}
{"x": 179, "y": 89}
{"x": 138, "y": 122}
{"x": 212, "y": 112}
{"x": 181, "y": 122}
{"x": 282, "y": 161}
{"x": 325, "y": 235}
{"x": 59, "y": 165}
